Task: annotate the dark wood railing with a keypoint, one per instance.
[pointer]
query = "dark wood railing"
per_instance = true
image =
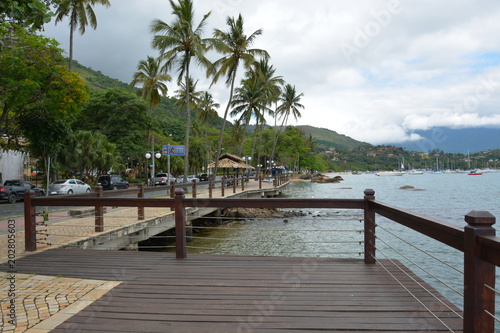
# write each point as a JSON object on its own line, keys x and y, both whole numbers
{"x": 477, "y": 240}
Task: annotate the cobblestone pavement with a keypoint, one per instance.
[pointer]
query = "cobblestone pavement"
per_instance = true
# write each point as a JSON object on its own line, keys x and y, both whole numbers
{"x": 40, "y": 303}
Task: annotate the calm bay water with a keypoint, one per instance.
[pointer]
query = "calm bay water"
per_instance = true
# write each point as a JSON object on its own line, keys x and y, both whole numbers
{"x": 336, "y": 233}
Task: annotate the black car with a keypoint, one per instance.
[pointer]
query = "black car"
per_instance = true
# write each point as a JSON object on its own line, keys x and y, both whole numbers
{"x": 111, "y": 182}
{"x": 13, "y": 190}
{"x": 204, "y": 177}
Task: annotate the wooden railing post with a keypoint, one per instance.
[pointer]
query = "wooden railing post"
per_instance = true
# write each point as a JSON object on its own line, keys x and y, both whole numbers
{"x": 180, "y": 225}
{"x": 210, "y": 185}
{"x": 242, "y": 183}
{"x": 369, "y": 218}
{"x": 235, "y": 181}
{"x": 222, "y": 186}
{"x": 29, "y": 222}
{"x": 478, "y": 274}
{"x": 194, "y": 189}
{"x": 172, "y": 189}
{"x": 99, "y": 212}
{"x": 140, "y": 210}
{"x": 260, "y": 182}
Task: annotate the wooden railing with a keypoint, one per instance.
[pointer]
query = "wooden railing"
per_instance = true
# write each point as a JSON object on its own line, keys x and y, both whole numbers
{"x": 476, "y": 240}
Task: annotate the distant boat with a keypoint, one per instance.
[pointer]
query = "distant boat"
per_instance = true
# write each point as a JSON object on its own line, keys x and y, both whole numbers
{"x": 475, "y": 173}
{"x": 415, "y": 172}
{"x": 390, "y": 173}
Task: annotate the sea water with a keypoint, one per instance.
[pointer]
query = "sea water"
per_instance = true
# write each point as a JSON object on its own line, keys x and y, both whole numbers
{"x": 445, "y": 196}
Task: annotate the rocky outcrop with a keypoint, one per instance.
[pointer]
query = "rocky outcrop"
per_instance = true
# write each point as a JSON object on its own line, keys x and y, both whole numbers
{"x": 248, "y": 213}
{"x": 325, "y": 179}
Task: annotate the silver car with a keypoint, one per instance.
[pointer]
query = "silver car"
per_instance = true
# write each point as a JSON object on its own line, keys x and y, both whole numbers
{"x": 68, "y": 186}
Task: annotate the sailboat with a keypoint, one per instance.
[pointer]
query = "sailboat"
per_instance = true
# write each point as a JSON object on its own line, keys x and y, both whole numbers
{"x": 393, "y": 173}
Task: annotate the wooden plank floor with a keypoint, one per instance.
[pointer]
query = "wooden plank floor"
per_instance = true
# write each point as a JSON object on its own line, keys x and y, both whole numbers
{"x": 209, "y": 293}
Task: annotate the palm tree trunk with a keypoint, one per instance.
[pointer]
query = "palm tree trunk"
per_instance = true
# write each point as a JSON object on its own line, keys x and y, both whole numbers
{"x": 275, "y": 143}
{"x": 240, "y": 151}
{"x": 71, "y": 31}
{"x": 219, "y": 145}
{"x": 255, "y": 136}
{"x": 188, "y": 124}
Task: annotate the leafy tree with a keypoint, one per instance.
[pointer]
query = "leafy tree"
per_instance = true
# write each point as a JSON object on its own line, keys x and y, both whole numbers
{"x": 81, "y": 14}
{"x": 152, "y": 81}
{"x": 90, "y": 152}
{"x": 290, "y": 105}
{"x": 248, "y": 102}
{"x": 234, "y": 45}
{"x": 178, "y": 43}
{"x": 32, "y": 14}
{"x": 122, "y": 117}
{"x": 39, "y": 96}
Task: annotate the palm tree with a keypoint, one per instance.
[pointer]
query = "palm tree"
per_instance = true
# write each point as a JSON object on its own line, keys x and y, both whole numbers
{"x": 234, "y": 44}
{"x": 264, "y": 73}
{"x": 80, "y": 14}
{"x": 152, "y": 81}
{"x": 290, "y": 106}
{"x": 249, "y": 101}
{"x": 178, "y": 43}
{"x": 207, "y": 113}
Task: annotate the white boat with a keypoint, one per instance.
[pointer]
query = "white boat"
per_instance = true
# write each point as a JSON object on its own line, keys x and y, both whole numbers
{"x": 415, "y": 172}
{"x": 390, "y": 173}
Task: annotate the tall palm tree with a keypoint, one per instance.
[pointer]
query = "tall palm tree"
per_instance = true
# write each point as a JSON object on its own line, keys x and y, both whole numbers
{"x": 80, "y": 14}
{"x": 249, "y": 101}
{"x": 290, "y": 105}
{"x": 234, "y": 45}
{"x": 207, "y": 113}
{"x": 178, "y": 43}
{"x": 152, "y": 80}
{"x": 265, "y": 74}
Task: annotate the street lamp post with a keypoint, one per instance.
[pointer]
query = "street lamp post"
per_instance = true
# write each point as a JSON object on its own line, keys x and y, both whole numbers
{"x": 247, "y": 160}
{"x": 148, "y": 156}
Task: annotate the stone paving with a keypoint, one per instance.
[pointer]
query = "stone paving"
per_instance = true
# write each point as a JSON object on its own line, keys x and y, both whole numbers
{"x": 40, "y": 303}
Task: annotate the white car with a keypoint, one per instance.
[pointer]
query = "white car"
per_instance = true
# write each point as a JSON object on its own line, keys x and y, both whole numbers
{"x": 68, "y": 186}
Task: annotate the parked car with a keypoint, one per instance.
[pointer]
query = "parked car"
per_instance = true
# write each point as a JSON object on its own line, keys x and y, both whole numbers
{"x": 163, "y": 179}
{"x": 13, "y": 190}
{"x": 68, "y": 186}
{"x": 204, "y": 177}
{"x": 112, "y": 182}
{"x": 189, "y": 179}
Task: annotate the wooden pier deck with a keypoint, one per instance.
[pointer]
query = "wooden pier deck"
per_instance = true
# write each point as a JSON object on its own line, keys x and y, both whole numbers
{"x": 216, "y": 293}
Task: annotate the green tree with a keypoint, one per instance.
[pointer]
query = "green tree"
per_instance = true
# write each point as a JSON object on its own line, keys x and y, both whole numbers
{"x": 39, "y": 96}
{"x": 249, "y": 101}
{"x": 152, "y": 80}
{"x": 32, "y": 14}
{"x": 234, "y": 45}
{"x": 81, "y": 14}
{"x": 92, "y": 152}
{"x": 290, "y": 105}
{"x": 122, "y": 117}
{"x": 178, "y": 43}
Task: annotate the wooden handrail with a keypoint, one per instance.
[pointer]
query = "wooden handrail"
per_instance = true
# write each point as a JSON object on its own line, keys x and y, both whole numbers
{"x": 477, "y": 240}
{"x": 446, "y": 233}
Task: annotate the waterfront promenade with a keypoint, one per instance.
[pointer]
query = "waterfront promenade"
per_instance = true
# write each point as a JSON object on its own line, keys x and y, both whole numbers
{"x": 43, "y": 301}
{"x": 158, "y": 292}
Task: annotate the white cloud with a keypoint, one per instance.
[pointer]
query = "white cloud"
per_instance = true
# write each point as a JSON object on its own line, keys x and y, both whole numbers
{"x": 421, "y": 63}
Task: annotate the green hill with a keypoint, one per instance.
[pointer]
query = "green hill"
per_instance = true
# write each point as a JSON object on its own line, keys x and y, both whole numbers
{"x": 325, "y": 138}
{"x": 98, "y": 80}
{"x": 331, "y": 139}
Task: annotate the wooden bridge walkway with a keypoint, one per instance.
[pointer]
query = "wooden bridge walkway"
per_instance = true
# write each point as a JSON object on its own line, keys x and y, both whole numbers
{"x": 216, "y": 293}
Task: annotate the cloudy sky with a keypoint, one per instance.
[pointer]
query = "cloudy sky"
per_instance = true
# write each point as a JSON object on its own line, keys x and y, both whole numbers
{"x": 374, "y": 70}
